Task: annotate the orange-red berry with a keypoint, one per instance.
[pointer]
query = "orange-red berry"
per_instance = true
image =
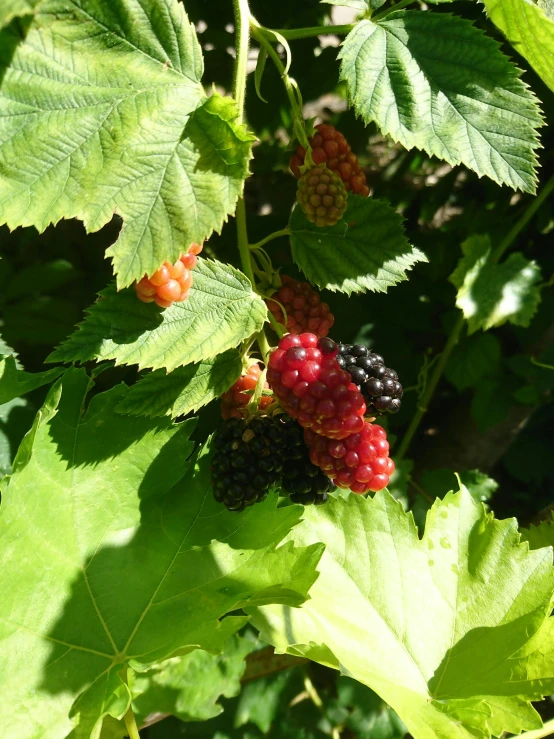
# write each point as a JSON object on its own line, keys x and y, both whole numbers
{"x": 170, "y": 283}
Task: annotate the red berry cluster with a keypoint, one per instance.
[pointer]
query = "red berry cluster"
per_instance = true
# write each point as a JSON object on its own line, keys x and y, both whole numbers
{"x": 360, "y": 462}
{"x": 311, "y": 386}
{"x": 234, "y": 401}
{"x": 305, "y": 311}
{"x": 330, "y": 147}
{"x": 171, "y": 283}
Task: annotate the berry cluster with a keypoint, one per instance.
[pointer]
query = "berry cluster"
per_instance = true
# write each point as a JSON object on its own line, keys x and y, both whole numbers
{"x": 248, "y": 461}
{"x": 322, "y": 196}
{"x": 360, "y": 462}
{"x": 303, "y": 480}
{"x": 305, "y": 376}
{"x": 253, "y": 456}
{"x": 330, "y": 147}
{"x": 378, "y": 384}
{"x": 235, "y": 400}
{"x": 171, "y": 283}
{"x": 303, "y": 306}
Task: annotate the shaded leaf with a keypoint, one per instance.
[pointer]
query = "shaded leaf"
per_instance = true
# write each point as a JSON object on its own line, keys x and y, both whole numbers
{"x": 437, "y": 83}
{"x": 12, "y": 8}
{"x": 529, "y": 30}
{"x": 220, "y": 313}
{"x": 110, "y": 541}
{"x": 541, "y": 535}
{"x": 140, "y": 137}
{"x": 437, "y": 483}
{"x": 472, "y": 359}
{"x": 491, "y": 403}
{"x": 184, "y": 390}
{"x": 478, "y": 605}
{"x": 15, "y": 382}
{"x": 367, "y": 250}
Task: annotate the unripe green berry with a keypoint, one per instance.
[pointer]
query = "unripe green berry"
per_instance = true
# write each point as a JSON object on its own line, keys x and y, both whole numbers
{"x": 322, "y": 196}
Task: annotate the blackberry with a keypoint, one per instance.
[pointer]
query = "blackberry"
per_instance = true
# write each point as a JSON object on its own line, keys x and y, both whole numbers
{"x": 303, "y": 306}
{"x": 330, "y": 147}
{"x": 247, "y": 462}
{"x": 322, "y": 196}
{"x": 360, "y": 462}
{"x": 302, "y": 480}
{"x": 305, "y": 376}
{"x": 378, "y": 384}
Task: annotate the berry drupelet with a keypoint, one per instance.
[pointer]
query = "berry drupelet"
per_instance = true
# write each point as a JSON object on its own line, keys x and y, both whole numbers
{"x": 360, "y": 462}
{"x": 330, "y": 147}
{"x": 305, "y": 376}
{"x": 235, "y": 400}
{"x": 171, "y": 283}
{"x": 302, "y": 480}
{"x": 322, "y": 196}
{"x": 378, "y": 384}
{"x": 248, "y": 461}
{"x": 303, "y": 306}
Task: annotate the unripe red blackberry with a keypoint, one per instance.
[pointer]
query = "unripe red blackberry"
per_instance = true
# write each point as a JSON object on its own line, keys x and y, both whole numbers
{"x": 305, "y": 311}
{"x": 247, "y": 462}
{"x": 235, "y": 400}
{"x": 171, "y": 283}
{"x": 305, "y": 376}
{"x": 378, "y": 384}
{"x": 360, "y": 462}
{"x": 322, "y": 196}
{"x": 330, "y": 147}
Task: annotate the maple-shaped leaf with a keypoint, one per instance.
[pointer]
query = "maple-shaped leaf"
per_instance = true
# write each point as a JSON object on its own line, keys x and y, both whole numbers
{"x": 366, "y": 250}
{"x": 116, "y": 556}
{"x": 103, "y": 112}
{"x": 451, "y": 630}
{"x": 541, "y": 535}
{"x": 221, "y": 311}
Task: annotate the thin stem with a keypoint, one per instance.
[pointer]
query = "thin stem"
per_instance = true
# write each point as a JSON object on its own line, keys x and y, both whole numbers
{"x": 131, "y": 724}
{"x": 546, "y": 730}
{"x": 242, "y": 237}
{"x": 292, "y": 34}
{"x": 260, "y": 35}
{"x": 530, "y": 211}
{"x": 398, "y": 6}
{"x": 242, "y": 25}
{"x": 263, "y": 343}
{"x": 495, "y": 256}
{"x": 431, "y": 386}
{"x": 274, "y": 325}
{"x": 274, "y": 235}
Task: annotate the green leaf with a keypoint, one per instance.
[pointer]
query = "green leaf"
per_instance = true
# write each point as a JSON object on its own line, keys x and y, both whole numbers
{"x": 139, "y": 138}
{"x": 189, "y": 687}
{"x": 491, "y": 294}
{"x": 541, "y": 535}
{"x": 15, "y": 382}
{"x": 184, "y": 390}
{"x": 451, "y": 630}
{"x": 367, "y": 250}
{"x": 491, "y": 403}
{"x": 548, "y": 7}
{"x": 530, "y": 32}
{"x": 12, "y": 8}
{"x": 472, "y": 359}
{"x": 44, "y": 278}
{"x": 115, "y": 554}
{"x": 7, "y": 351}
{"x": 356, "y": 4}
{"x": 16, "y": 417}
{"x": 220, "y": 313}
{"x": 438, "y": 83}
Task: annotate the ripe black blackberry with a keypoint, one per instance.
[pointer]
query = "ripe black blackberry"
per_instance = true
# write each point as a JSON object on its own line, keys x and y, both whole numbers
{"x": 303, "y": 481}
{"x": 378, "y": 384}
{"x": 247, "y": 462}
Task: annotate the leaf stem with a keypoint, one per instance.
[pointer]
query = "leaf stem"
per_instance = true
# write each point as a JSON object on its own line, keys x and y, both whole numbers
{"x": 131, "y": 724}
{"x": 242, "y": 239}
{"x": 274, "y": 235}
{"x": 398, "y": 6}
{"x": 518, "y": 227}
{"x": 292, "y": 34}
{"x": 546, "y": 730}
{"x": 242, "y": 25}
{"x": 495, "y": 256}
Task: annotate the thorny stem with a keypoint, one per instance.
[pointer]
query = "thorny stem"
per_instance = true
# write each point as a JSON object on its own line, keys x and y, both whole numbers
{"x": 494, "y": 258}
